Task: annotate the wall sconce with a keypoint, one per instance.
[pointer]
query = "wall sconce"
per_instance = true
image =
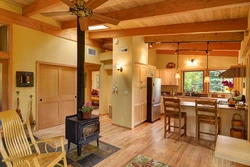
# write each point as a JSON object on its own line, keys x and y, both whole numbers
{"x": 119, "y": 68}
{"x": 192, "y": 61}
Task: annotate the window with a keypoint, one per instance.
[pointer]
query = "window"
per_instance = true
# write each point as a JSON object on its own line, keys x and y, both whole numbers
{"x": 193, "y": 81}
{"x": 216, "y": 82}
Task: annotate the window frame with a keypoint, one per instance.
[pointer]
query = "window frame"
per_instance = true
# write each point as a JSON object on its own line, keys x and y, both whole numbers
{"x": 183, "y": 80}
{"x": 231, "y": 79}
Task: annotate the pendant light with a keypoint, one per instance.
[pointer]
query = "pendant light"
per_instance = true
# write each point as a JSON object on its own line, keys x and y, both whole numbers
{"x": 207, "y": 79}
{"x": 177, "y": 75}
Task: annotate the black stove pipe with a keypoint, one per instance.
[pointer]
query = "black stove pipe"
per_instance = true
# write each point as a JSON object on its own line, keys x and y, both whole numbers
{"x": 80, "y": 68}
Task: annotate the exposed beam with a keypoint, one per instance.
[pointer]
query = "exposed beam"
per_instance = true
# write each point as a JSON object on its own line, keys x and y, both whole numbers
{"x": 202, "y": 53}
{"x": 168, "y": 7}
{"x": 230, "y": 36}
{"x": 215, "y": 46}
{"x": 39, "y": 6}
{"x": 245, "y": 46}
{"x": 177, "y": 29}
{"x": 13, "y": 18}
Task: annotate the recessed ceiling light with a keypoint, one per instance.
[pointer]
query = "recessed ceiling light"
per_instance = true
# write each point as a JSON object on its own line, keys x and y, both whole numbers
{"x": 99, "y": 27}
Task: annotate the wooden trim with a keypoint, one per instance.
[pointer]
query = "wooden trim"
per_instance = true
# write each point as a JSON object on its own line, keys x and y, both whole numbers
{"x": 234, "y": 46}
{"x": 10, "y": 64}
{"x": 4, "y": 55}
{"x": 177, "y": 29}
{"x": 10, "y": 18}
{"x": 39, "y": 6}
{"x": 215, "y": 37}
{"x": 202, "y": 53}
{"x": 55, "y": 64}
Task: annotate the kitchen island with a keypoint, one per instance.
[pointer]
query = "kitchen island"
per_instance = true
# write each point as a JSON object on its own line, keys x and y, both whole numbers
{"x": 224, "y": 111}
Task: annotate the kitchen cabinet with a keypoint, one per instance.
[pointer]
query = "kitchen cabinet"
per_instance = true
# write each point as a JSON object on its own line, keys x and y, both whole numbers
{"x": 168, "y": 77}
{"x": 140, "y": 93}
{"x": 151, "y": 71}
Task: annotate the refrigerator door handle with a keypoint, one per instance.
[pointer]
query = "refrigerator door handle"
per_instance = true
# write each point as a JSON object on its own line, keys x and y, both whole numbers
{"x": 156, "y": 105}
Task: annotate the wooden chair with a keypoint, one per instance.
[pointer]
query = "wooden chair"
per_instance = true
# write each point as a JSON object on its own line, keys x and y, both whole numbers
{"x": 172, "y": 110}
{"x": 16, "y": 149}
{"x": 207, "y": 113}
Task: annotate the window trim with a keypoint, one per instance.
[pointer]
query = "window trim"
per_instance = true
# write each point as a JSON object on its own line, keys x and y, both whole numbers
{"x": 196, "y": 70}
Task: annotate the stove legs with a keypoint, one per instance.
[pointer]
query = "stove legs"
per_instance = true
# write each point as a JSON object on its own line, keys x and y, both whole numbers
{"x": 79, "y": 147}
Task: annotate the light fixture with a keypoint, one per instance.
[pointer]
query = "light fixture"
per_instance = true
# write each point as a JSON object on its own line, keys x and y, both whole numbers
{"x": 151, "y": 45}
{"x": 207, "y": 79}
{"x": 98, "y": 27}
{"x": 192, "y": 62}
{"x": 119, "y": 68}
{"x": 177, "y": 75}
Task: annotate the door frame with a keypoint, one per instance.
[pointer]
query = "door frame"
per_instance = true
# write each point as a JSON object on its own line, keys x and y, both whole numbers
{"x": 38, "y": 67}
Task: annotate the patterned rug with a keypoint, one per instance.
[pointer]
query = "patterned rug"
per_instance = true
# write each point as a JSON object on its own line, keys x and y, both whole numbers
{"x": 90, "y": 155}
{"x": 142, "y": 161}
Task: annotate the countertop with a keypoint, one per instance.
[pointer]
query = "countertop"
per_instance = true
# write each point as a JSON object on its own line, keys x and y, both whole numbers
{"x": 189, "y": 101}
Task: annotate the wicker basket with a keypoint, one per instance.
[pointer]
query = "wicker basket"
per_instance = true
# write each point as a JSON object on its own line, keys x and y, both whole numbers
{"x": 237, "y": 129}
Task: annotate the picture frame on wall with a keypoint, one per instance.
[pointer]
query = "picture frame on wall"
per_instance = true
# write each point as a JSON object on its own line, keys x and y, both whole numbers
{"x": 24, "y": 79}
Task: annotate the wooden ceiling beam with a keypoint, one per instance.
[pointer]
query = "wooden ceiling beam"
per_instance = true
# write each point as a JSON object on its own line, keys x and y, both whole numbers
{"x": 8, "y": 17}
{"x": 202, "y": 53}
{"x": 218, "y": 37}
{"x": 177, "y": 29}
{"x": 170, "y": 7}
{"x": 214, "y": 46}
{"x": 39, "y": 6}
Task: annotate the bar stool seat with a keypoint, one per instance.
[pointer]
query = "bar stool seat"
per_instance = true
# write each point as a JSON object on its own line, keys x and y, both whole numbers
{"x": 207, "y": 113}
{"x": 172, "y": 110}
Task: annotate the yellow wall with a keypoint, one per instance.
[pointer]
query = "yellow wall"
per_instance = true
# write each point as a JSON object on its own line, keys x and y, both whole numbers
{"x": 123, "y": 80}
{"x": 152, "y": 57}
{"x": 30, "y": 46}
{"x": 123, "y": 99}
{"x": 214, "y": 62}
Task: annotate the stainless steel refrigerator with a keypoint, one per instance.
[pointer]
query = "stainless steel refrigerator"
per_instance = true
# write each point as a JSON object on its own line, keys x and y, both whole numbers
{"x": 153, "y": 99}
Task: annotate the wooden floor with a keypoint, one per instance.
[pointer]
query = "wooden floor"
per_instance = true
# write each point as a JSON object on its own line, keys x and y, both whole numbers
{"x": 147, "y": 139}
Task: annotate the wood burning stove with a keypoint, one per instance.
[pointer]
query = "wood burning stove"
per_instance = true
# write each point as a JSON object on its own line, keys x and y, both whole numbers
{"x": 82, "y": 131}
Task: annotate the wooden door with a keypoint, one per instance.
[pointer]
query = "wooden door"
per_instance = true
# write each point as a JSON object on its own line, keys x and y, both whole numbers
{"x": 4, "y": 104}
{"x": 56, "y": 94}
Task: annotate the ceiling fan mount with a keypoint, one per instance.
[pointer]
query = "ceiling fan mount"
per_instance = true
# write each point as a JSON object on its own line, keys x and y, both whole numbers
{"x": 84, "y": 10}
{"x": 80, "y": 11}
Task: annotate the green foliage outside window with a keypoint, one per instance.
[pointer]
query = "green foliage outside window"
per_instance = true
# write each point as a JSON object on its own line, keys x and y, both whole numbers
{"x": 216, "y": 82}
{"x": 193, "y": 81}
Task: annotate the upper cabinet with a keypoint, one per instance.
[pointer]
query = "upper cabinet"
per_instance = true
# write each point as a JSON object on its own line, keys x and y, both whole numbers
{"x": 168, "y": 77}
{"x": 140, "y": 75}
{"x": 151, "y": 71}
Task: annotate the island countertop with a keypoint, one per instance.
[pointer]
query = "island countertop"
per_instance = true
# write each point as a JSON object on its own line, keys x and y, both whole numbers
{"x": 190, "y": 101}
{"x": 225, "y": 112}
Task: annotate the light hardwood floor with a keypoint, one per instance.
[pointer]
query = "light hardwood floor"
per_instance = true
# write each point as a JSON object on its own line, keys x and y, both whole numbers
{"x": 147, "y": 139}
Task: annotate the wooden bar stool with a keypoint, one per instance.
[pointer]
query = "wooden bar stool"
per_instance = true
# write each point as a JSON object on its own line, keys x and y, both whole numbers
{"x": 172, "y": 109}
{"x": 207, "y": 113}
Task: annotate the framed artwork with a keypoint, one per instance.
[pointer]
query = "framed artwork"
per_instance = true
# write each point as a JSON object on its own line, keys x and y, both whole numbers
{"x": 24, "y": 79}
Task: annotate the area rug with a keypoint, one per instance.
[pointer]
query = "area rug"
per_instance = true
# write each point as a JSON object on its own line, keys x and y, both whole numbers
{"x": 90, "y": 155}
{"x": 142, "y": 161}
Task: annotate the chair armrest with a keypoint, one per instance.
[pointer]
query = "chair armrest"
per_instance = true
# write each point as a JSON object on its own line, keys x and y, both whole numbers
{"x": 14, "y": 159}
{"x": 50, "y": 139}
{"x": 61, "y": 138}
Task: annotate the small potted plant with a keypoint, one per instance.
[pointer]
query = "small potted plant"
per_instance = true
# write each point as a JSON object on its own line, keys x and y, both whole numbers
{"x": 86, "y": 110}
